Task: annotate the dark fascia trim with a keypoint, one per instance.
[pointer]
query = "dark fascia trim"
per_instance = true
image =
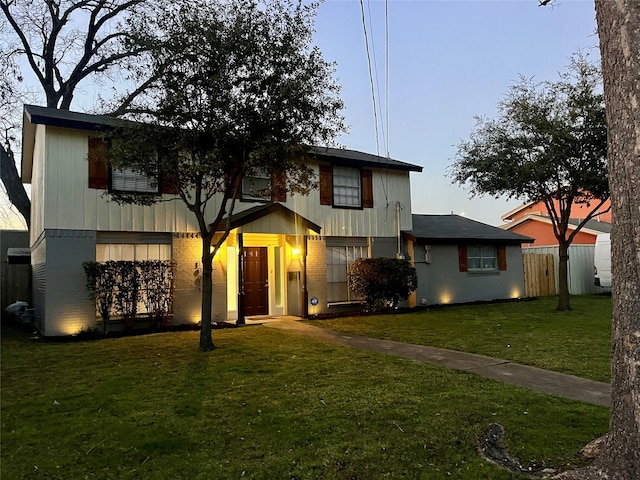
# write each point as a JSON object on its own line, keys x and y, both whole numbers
{"x": 466, "y": 240}
{"x": 67, "y": 119}
{"x": 260, "y": 211}
{"x": 354, "y": 158}
{"x": 85, "y": 121}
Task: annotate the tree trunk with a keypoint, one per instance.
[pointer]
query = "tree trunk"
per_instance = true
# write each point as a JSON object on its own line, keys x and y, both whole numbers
{"x": 619, "y": 32}
{"x": 13, "y": 184}
{"x": 206, "y": 341}
{"x": 563, "y": 277}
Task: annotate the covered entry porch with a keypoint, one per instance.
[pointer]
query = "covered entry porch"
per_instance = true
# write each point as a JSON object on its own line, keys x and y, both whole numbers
{"x": 263, "y": 262}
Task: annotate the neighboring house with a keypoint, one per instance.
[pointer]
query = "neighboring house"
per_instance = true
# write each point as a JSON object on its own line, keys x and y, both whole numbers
{"x": 292, "y": 253}
{"x": 15, "y": 278}
{"x": 541, "y": 228}
{"x": 532, "y": 219}
{"x": 578, "y": 210}
{"x": 459, "y": 260}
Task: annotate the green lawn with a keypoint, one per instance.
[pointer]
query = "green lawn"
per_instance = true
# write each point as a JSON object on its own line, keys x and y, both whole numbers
{"x": 530, "y": 332}
{"x": 265, "y": 405}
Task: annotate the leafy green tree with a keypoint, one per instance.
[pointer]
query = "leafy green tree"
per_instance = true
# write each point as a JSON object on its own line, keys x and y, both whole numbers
{"x": 382, "y": 282}
{"x": 548, "y": 143}
{"x": 238, "y": 91}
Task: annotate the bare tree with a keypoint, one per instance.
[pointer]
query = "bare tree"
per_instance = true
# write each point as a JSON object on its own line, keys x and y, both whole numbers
{"x": 63, "y": 43}
{"x": 10, "y": 98}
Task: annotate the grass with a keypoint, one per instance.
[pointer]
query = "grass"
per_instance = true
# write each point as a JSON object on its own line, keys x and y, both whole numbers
{"x": 530, "y": 332}
{"x": 264, "y": 405}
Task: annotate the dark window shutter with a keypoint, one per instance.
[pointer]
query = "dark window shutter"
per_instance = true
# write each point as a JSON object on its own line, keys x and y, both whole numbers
{"x": 462, "y": 258}
{"x": 502, "y": 257}
{"x": 98, "y": 168}
{"x": 169, "y": 181}
{"x": 279, "y": 190}
{"x": 367, "y": 188}
{"x": 326, "y": 185}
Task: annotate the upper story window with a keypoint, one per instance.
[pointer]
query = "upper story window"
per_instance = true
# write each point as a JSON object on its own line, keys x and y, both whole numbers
{"x": 101, "y": 176}
{"x": 126, "y": 180}
{"x": 257, "y": 186}
{"x": 264, "y": 186}
{"x": 346, "y": 187}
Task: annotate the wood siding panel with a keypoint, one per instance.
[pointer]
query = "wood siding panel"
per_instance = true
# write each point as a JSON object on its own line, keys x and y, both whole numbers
{"x": 64, "y": 199}
{"x": 38, "y": 200}
{"x": 87, "y": 209}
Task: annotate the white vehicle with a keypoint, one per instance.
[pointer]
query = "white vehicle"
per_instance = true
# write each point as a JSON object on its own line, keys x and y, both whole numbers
{"x": 602, "y": 261}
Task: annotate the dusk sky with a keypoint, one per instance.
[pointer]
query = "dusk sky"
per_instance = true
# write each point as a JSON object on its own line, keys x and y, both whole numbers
{"x": 448, "y": 61}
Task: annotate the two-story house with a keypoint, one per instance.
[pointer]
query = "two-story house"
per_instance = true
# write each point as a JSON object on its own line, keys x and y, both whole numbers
{"x": 289, "y": 256}
{"x": 532, "y": 219}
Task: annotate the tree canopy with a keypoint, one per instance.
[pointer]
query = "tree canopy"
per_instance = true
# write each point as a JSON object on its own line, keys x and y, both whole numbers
{"x": 548, "y": 143}
{"x": 238, "y": 91}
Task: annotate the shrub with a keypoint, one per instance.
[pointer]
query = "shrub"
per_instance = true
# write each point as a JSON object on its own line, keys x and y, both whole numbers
{"x": 383, "y": 282}
{"x": 101, "y": 282}
{"x": 121, "y": 286}
{"x": 156, "y": 281}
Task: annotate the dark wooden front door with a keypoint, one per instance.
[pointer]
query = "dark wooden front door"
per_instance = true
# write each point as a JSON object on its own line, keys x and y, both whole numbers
{"x": 255, "y": 281}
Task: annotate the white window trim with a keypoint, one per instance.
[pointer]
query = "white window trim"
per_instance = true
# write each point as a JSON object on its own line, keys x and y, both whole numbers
{"x": 365, "y": 254}
{"x": 495, "y": 267}
{"x": 343, "y": 192}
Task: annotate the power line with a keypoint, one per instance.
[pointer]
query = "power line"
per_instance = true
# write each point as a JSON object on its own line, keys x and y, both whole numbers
{"x": 371, "y": 81}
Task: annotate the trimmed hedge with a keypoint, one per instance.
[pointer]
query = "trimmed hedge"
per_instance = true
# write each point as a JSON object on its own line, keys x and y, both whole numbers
{"x": 119, "y": 286}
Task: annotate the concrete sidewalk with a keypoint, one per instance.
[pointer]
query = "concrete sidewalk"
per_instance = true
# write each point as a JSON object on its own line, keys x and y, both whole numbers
{"x": 553, "y": 383}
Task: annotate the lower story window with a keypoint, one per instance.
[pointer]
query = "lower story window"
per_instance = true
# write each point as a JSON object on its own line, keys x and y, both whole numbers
{"x": 132, "y": 251}
{"x": 339, "y": 259}
{"x": 482, "y": 258}
{"x": 130, "y": 247}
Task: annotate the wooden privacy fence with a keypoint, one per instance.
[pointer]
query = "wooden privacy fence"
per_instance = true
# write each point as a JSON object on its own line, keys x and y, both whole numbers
{"x": 539, "y": 274}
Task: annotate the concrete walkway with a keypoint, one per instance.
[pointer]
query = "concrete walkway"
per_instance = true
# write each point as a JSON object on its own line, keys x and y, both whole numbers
{"x": 553, "y": 383}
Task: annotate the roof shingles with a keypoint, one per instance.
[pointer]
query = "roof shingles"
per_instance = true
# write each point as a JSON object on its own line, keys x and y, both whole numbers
{"x": 454, "y": 228}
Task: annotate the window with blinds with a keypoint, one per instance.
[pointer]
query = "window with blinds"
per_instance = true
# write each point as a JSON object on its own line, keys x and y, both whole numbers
{"x": 339, "y": 259}
{"x": 127, "y": 180}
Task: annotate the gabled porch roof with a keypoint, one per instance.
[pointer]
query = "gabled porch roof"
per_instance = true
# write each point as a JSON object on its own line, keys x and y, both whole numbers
{"x": 260, "y": 211}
